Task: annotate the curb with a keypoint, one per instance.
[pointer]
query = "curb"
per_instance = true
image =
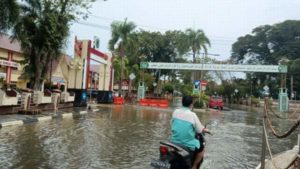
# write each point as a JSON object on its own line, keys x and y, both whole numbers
{"x": 31, "y": 120}
{"x": 45, "y": 118}
{"x": 83, "y": 112}
{"x": 95, "y": 110}
{"x": 11, "y": 123}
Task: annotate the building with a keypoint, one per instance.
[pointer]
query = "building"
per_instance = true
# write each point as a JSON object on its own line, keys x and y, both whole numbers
{"x": 75, "y": 73}
{"x": 10, "y": 61}
{"x": 83, "y": 73}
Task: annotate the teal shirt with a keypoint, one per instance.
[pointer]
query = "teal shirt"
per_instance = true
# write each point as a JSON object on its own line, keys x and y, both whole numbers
{"x": 184, "y": 123}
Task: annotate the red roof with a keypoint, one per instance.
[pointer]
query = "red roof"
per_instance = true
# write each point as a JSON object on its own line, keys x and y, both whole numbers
{"x": 9, "y": 44}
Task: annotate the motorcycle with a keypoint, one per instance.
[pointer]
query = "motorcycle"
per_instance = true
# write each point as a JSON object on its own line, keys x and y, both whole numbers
{"x": 173, "y": 156}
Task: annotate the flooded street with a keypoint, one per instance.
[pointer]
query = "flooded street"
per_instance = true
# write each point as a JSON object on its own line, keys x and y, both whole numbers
{"x": 127, "y": 137}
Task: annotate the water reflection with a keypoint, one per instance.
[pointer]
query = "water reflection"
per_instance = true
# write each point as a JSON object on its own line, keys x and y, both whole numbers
{"x": 120, "y": 137}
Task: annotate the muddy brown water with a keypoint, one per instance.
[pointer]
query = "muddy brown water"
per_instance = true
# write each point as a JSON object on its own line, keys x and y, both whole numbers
{"x": 127, "y": 137}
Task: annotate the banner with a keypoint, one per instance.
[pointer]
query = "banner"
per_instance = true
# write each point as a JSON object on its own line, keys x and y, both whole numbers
{"x": 215, "y": 67}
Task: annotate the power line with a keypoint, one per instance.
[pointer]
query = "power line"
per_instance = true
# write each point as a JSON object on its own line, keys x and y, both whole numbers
{"x": 221, "y": 38}
{"x": 104, "y": 27}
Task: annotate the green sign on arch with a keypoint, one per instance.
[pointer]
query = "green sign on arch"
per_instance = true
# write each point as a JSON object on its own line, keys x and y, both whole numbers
{"x": 215, "y": 67}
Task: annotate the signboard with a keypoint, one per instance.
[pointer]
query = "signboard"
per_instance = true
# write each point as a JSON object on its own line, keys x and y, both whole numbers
{"x": 266, "y": 88}
{"x": 196, "y": 89}
{"x": 215, "y": 67}
{"x": 203, "y": 83}
{"x": 132, "y": 76}
{"x": 9, "y": 63}
{"x": 141, "y": 91}
{"x": 283, "y": 100}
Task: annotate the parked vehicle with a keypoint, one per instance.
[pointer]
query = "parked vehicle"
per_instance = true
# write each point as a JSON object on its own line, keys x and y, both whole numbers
{"x": 216, "y": 102}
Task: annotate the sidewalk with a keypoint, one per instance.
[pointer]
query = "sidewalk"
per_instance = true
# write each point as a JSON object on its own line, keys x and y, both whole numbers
{"x": 20, "y": 119}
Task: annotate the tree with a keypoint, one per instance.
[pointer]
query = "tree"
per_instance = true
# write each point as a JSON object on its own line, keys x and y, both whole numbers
{"x": 196, "y": 40}
{"x": 9, "y": 13}
{"x": 268, "y": 44}
{"x": 118, "y": 64}
{"x": 120, "y": 41}
{"x": 42, "y": 29}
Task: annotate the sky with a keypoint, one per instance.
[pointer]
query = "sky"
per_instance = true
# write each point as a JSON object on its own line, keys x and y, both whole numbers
{"x": 223, "y": 21}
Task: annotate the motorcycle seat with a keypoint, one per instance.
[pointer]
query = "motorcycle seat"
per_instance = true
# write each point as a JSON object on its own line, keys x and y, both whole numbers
{"x": 182, "y": 150}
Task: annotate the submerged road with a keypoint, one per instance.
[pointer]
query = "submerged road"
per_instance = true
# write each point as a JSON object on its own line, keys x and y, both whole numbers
{"x": 127, "y": 137}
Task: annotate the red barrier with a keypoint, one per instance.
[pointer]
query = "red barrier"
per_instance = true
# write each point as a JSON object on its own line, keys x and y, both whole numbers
{"x": 153, "y": 102}
{"x": 163, "y": 103}
{"x": 119, "y": 100}
{"x": 143, "y": 102}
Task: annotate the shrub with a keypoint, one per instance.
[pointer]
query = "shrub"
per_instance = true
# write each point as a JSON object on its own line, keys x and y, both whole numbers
{"x": 168, "y": 88}
{"x": 254, "y": 101}
{"x": 198, "y": 104}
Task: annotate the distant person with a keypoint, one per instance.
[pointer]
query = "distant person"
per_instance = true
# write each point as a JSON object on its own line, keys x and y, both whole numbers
{"x": 185, "y": 125}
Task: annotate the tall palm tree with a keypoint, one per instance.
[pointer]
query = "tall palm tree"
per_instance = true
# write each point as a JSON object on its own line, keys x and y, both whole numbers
{"x": 120, "y": 38}
{"x": 9, "y": 13}
{"x": 197, "y": 40}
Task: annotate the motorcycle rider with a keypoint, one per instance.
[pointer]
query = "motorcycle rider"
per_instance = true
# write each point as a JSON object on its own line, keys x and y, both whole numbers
{"x": 185, "y": 125}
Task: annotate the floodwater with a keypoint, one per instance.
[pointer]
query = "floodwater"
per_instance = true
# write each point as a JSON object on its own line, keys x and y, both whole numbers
{"x": 127, "y": 137}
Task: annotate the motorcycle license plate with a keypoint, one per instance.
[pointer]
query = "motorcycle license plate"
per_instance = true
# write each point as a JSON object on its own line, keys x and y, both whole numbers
{"x": 158, "y": 164}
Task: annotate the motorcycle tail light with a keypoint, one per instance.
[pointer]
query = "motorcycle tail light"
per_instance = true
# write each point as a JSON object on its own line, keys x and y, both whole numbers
{"x": 163, "y": 150}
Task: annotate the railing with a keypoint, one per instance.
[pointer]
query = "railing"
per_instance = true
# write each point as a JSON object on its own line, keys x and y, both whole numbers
{"x": 267, "y": 123}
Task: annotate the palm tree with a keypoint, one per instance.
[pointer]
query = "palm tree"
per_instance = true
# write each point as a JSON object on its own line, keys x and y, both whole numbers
{"x": 120, "y": 32}
{"x": 117, "y": 64}
{"x": 9, "y": 13}
{"x": 196, "y": 40}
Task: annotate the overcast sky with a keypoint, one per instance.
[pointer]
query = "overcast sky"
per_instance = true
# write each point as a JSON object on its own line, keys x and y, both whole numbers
{"x": 222, "y": 20}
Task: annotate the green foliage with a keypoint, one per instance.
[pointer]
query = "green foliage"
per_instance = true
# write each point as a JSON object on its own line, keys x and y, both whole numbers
{"x": 9, "y": 13}
{"x": 117, "y": 63}
{"x": 120, "y": 43}
{"x": 202, "y": 101}
{"x": 196, "y": 40}
{"x": 148, "y": 79}
{"x": 168, "y": 88}
{"x": 254, "y": 101}
{"x": 268, "y": 44}
{"x": 199, "y": 103}
{"x": 186, "y": 89}
{"x": 120, "y": 36}
{"x": 204, "y": 98}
